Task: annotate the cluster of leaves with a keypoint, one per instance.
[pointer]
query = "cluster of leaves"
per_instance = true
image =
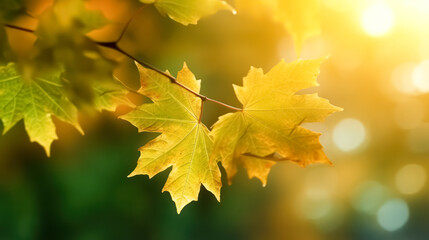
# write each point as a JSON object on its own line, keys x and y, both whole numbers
{"x": 66, "y": 71}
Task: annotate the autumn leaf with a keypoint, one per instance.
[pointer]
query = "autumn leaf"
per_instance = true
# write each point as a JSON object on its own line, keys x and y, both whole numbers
{"x": 257, "y": 167}
{"x": 184, "y": 142}
{"x": 270, "y": 120}
{"x": 300, "y": 18}
{"x": 189, "y": 11}
{"x": 35, "y": 101}
{"x": 109, "y": 95}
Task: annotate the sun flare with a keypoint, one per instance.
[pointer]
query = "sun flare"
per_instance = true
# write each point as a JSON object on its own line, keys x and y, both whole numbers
{"x": 378, "y": 19}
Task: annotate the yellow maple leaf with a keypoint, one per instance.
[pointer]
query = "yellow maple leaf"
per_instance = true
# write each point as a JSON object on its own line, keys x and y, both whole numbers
{"x": 300, "y": 18}
{"x": 270, "y": 119}
{"x": 189, "y": 11}
{"x": 184, "y": 142}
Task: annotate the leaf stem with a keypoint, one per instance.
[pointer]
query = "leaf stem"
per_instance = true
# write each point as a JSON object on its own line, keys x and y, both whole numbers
{"x": 224, "y": 104}
{"x": 201, "y": 111}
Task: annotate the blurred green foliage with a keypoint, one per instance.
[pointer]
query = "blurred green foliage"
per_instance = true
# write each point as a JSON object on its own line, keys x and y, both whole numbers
{"x": 82, "y": 192}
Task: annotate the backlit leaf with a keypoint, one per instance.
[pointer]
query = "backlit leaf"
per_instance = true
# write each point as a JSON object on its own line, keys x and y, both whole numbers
{"x": 109, "y": 95}
{"x": 184, "y": 142}
{"x": 300, "y": 18}
{"x": 271, "y": 118}
{"x": 189, "y": 11}
{"x": 34, "y": 100}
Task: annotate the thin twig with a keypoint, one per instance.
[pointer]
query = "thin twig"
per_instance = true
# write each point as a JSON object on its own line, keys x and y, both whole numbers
{"x": 127, "y": 24}
{"x": 19, "y": 28}
{"x": 114, "y": 46}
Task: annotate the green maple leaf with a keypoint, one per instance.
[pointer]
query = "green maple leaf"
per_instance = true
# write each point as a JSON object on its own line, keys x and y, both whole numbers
{"x": 189, "y": 11}
{"x": 35, "y": 101}
{"x": 184, "y": 142}
{"x": 269, "y": 122}
{"x": 109, "y": 95}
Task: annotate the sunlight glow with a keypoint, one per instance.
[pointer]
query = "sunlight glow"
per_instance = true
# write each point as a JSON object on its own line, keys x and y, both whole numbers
{"x": 349, "y": 134}
{"x": 401, "y": 78}
{"x": 418, "y": 138}
{"x": 409, "y": 114}
{"x": 377, "y": 19}
{"x": 410, "y": 179}
{"x": 420, "y": 77}
{"x": 393, "y": 215}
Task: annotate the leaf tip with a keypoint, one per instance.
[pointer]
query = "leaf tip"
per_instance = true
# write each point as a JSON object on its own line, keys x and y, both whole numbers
{"x": 79, "y": 129}
{"x": 48, "y": 152}
{"x": 132, "y": 174}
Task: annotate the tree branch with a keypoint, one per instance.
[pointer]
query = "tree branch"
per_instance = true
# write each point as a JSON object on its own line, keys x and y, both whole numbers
{"x": 114, "y": 46}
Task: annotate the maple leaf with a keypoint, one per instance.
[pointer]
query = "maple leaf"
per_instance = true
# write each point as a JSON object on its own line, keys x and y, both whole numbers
{"x": 35, "y": 100}
{"x": 109, "y": 95}
{"x": 184, "y": 142}
{"x": 270, "y": 119}
{"x": 300, "y": 18}
{"x": 189, "y": 11}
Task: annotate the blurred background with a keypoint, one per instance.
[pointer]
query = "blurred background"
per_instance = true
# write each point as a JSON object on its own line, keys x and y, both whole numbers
{"x": 378, "y": 71}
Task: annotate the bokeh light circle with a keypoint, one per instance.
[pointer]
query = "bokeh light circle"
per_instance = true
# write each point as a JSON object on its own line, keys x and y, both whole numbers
{"x": 349, "y": 134}
{"x": 410, "y": 179}
{"x": 393, "y": 214}
{"x": 420, "y": 77}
